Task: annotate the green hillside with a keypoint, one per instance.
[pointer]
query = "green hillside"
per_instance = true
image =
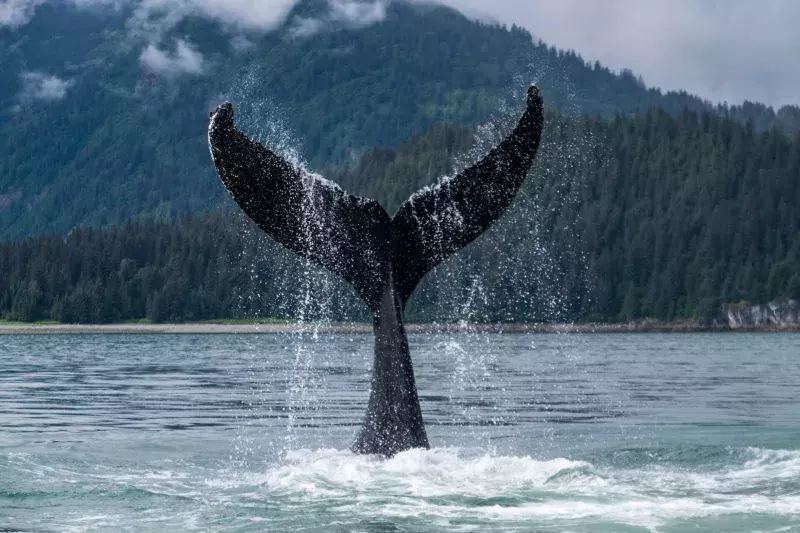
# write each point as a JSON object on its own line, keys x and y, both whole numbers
{"x": 125, "y": 143}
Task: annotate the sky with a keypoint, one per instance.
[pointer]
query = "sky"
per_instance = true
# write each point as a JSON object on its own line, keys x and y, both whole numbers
{"x": 722, "y": 50}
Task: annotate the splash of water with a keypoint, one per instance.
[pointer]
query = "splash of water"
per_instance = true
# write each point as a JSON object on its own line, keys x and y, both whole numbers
{"x": 498, "y": 278}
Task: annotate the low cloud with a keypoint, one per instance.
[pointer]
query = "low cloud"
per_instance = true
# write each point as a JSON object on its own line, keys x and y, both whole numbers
{"x": 248, "y": 14}
{"x": 357, "y": 14}
{"x": 240, "y": 43}
{"x": 341, "y": 14}
{"x": 303, "y": 27}
{"x": 15, "y": 13}
{"x": 184, "y": 60}
{"x": 40, "y": 86}
{"x": 153, "y": 18}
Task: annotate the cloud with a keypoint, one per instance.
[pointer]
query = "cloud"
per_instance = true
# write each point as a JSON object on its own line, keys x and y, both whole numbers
{"x": 243, "y": 14}
{"x": 357, "y": 14}
{"x": 15, "y": 13}
{"x": 184, "y": 60}
{"x": 303, "y": 27}
{"x": 250, "y": 14}
{"x": 247, "y": 14}
{"x": 40, "y": 86}
{"x": 723, "y": 50}
{"x": 240, "y": 43}
{"x": 341, "y": 14}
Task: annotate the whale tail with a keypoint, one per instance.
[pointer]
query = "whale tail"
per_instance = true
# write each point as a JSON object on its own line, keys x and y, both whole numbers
{"x": 383, "y": 258}
{"x": 354, "y": 237}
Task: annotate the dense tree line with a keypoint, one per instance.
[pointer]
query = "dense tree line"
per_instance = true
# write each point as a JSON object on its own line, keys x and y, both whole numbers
{"x": 692, "y": 212}
{"x": 649, "y": 216}
{"x": 126, "y": 142}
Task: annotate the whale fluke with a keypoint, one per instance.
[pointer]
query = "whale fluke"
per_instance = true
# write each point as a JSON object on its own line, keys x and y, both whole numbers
{"x": 304, "y": 212}
{"x": 383, "y": 258}
{"x": 438, "y": 221}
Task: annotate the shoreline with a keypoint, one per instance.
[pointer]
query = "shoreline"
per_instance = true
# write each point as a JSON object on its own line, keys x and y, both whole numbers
{"x": 356, "y": 328}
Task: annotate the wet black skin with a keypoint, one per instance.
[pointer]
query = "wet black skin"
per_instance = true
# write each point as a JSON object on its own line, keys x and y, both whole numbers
{"x": 382, "y": 257}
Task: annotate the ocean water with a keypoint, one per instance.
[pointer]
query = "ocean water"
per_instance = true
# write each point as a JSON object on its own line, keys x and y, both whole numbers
{"x": 541, "y": 433}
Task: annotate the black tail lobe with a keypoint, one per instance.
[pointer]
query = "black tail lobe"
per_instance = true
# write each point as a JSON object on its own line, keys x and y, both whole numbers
{"x": 437, "y": 222}
{"x": 306, "y": 213}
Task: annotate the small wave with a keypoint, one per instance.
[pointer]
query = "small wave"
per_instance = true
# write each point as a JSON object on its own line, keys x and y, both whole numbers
{"x": 768, "y": 456}
{"x": 749, "y": 471}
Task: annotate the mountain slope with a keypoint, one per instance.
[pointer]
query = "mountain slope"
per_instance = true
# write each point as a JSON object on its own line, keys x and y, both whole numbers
{"x": 119, "y": 140}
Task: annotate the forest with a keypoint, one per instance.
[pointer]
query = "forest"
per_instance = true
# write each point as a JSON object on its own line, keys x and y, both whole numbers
{"x": 657, "y": 214}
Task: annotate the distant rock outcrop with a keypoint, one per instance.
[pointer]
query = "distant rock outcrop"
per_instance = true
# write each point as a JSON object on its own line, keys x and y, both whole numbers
{"x": 777, "y": 313}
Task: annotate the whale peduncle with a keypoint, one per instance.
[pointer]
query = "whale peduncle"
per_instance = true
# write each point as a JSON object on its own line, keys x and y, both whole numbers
{"x": 393, "y": 422}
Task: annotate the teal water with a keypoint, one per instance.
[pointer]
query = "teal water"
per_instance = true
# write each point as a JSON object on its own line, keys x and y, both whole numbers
{"x": 541, "y": 433}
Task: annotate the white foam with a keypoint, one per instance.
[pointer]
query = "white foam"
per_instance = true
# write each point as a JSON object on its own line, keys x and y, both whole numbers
{"x": 648, "y": 513}
{"x": 418, "y": 473}
{"x": 446, "y": 484}
{"x": 456, "y": 485}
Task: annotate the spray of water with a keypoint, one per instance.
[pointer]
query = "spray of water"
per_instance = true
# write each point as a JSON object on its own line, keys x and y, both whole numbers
{"x": 522, "y": 269}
